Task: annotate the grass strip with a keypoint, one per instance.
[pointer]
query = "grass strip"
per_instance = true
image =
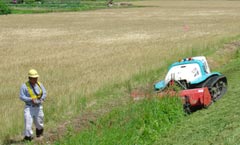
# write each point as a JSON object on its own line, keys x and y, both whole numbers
{"x": 136, "y": 123}
{"x": 46, "y": 8}
{"x": 60, "y": 7}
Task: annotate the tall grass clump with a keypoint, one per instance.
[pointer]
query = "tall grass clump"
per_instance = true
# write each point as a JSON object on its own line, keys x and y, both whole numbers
{"x": 4, "y": 9}
{"x": 138, "y": 123}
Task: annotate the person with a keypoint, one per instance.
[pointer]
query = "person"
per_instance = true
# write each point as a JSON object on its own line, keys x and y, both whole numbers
{"x": 33, "y": 94}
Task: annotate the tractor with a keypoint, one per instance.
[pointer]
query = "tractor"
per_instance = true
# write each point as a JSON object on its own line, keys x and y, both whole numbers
{"x": 197, "y": 85}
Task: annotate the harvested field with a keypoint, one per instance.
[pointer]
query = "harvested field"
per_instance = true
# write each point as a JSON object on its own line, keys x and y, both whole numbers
{"x": 76, "y": 53}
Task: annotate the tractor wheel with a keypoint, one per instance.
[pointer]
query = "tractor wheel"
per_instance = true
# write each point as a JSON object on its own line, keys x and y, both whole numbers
{"x": 218, "y": 89}
{"x": 217, "y": 86}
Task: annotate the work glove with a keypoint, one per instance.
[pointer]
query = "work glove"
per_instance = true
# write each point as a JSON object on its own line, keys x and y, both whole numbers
{"x": 36, "y": 101}
{"x": 41, "y": 101}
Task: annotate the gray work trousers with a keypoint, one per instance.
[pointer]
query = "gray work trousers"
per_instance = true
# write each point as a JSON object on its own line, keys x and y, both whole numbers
{"x": 33, "y": 114}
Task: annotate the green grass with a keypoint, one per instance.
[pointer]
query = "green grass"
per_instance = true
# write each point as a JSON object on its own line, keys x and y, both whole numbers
{"x": 136, "y": 123}
{"x": 58, "y": 7}
{"x": 46, "y": 8}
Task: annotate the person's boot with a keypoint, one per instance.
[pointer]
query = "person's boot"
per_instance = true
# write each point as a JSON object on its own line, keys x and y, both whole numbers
{"x": 39, "y": 132}
{"x": 27, "y": 138}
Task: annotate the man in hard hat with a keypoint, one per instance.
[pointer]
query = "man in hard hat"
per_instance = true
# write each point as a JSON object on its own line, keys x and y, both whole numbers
{"x": 33, "y": 94}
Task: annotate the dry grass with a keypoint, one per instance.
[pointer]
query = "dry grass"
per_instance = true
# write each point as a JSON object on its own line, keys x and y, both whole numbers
{"x": 80, "y": 52}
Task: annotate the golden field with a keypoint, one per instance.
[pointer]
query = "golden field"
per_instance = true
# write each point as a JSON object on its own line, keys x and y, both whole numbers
{"x": 77, "y": 53}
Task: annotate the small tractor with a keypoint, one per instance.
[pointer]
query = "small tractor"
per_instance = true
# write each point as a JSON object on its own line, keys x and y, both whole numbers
{"x": 197, "y": 85}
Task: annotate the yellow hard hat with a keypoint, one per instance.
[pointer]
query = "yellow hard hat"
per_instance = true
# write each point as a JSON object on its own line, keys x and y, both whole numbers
{"x": 33, "y": 73}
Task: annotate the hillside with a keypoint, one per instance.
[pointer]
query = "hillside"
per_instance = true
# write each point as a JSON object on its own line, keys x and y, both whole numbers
{"x": 162, "y": 121}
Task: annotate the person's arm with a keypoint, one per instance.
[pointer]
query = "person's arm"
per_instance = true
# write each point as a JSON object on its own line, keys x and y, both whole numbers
{"x": 24, "y": 95}
{"x": 44, "y": 95}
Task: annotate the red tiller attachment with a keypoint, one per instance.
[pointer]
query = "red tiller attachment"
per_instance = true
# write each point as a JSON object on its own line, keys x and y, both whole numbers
{"x": 197, "y": 97}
